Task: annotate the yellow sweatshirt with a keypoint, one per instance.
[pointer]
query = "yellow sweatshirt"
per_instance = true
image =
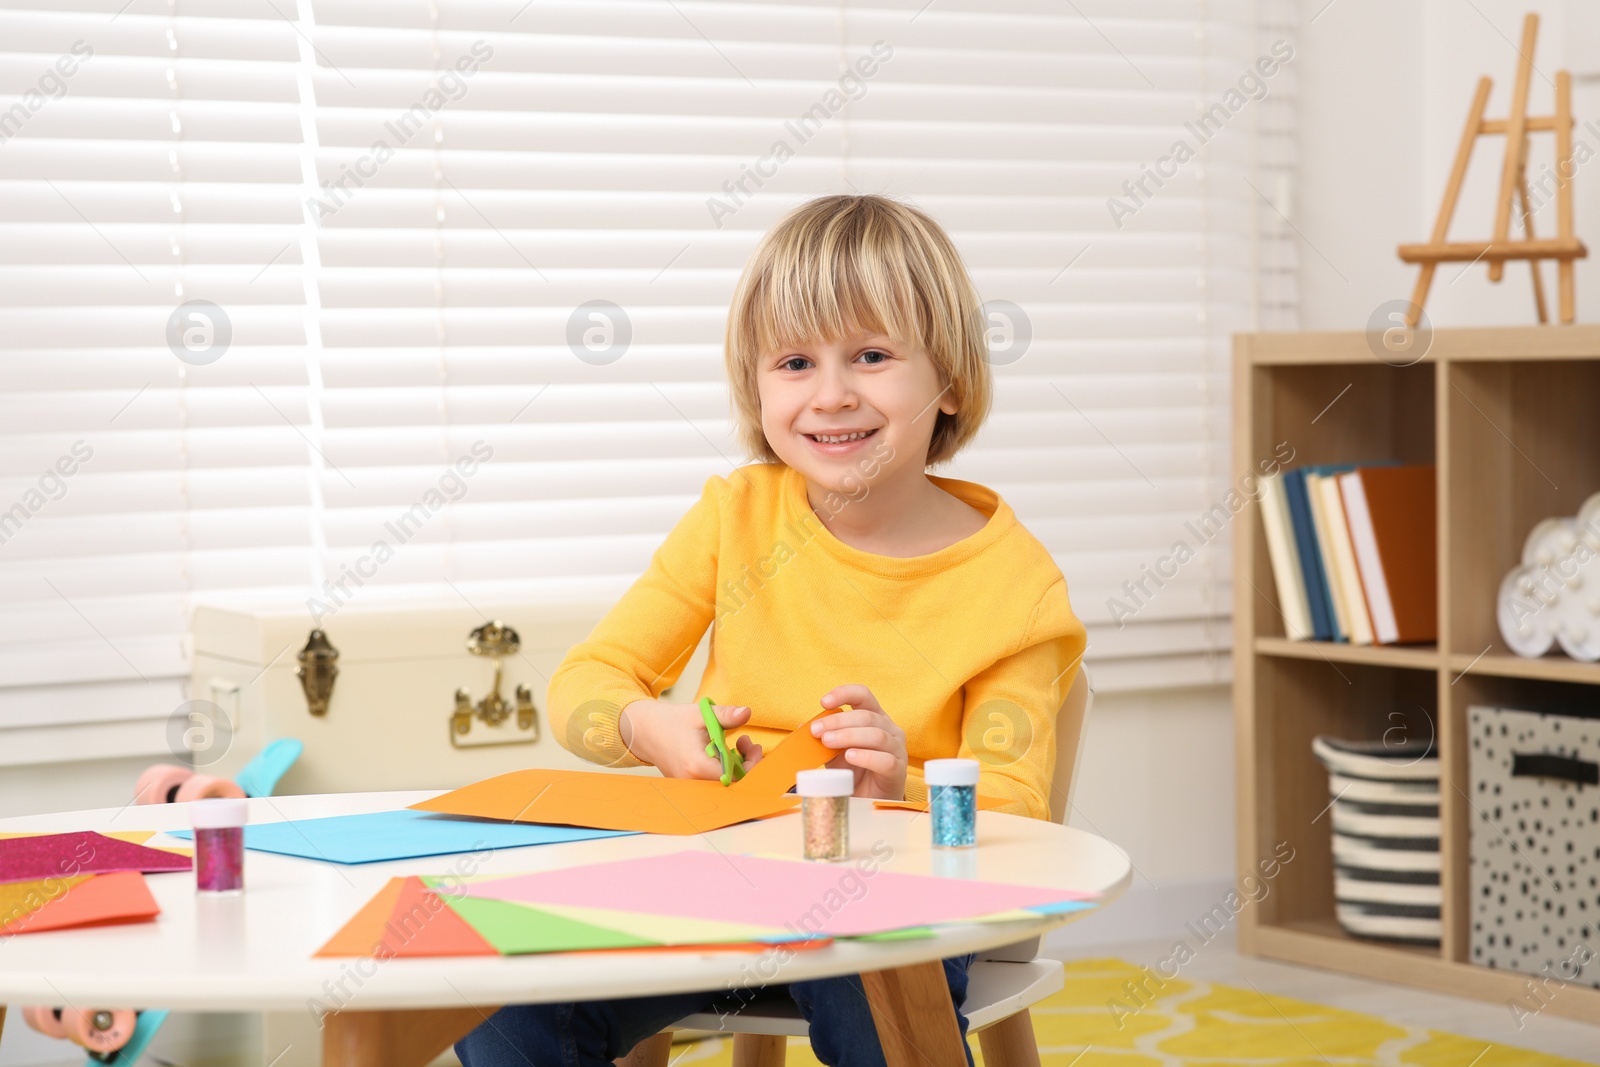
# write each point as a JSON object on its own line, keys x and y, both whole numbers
{"x": 970, "y": 649}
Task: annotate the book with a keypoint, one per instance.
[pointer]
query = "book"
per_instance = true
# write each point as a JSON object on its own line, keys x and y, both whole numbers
{"x": 1324, "y": 549}
{"x": 1294, "y": 488}
{"x": 1391, "y": 516}
{"x": 1344, "y": 561}
{"x": 1285, "y": 559}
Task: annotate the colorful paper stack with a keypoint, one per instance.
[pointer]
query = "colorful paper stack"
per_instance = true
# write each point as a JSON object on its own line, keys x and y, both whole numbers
{"x": 693, "y": 898}
{"x": 57, "y": 881}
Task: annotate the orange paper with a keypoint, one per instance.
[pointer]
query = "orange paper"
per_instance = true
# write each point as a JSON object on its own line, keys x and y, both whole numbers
{"x": 424, "y": 925}
{"x": 361, "y": 935}
{"x": 406, "y": 920}
{"x": 634, "y": 802}
{"x": 90, "y": 900}
{"x": 985, "y": 803}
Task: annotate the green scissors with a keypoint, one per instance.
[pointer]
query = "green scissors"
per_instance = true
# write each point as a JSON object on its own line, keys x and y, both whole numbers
{"x": 732, "y": 762}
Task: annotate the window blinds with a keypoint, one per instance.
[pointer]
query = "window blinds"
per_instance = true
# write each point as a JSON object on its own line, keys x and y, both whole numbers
{"x": 333, "y": 297}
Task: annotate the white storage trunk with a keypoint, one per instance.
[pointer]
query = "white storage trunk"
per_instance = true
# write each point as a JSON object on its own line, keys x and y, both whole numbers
{"x": 1535, "y": 846}
{"x": 388, "y": 723}
{"x": 387, "y": 726}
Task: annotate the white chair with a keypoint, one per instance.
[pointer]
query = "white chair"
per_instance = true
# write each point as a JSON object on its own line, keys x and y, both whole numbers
{"x": 1003, "y": 983}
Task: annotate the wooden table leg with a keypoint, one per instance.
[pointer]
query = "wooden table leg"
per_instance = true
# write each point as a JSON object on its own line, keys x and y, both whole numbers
{"x": 916, "y": 1020}
{"x": 395, "y": 1038}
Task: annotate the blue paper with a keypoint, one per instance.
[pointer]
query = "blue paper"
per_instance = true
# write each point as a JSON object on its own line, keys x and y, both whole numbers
{"x": 400, "y": 835}
{"x": 1061, "y": 907}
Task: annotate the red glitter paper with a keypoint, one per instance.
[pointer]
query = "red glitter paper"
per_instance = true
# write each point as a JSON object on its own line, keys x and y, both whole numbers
{"x": 26, "y": 859}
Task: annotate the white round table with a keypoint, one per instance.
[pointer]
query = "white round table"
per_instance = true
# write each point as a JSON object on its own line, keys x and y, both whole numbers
{"x": 254, "y": 952}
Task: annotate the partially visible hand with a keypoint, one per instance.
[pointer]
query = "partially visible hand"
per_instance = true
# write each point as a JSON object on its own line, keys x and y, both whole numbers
{"x": 673, "y": 737}
{"x": 874, "y": 745}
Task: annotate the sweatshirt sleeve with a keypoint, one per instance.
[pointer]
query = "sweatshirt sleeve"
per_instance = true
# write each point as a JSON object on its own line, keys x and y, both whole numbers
{"x": 1009, "y": 716}
{"x": 645, "y": 640}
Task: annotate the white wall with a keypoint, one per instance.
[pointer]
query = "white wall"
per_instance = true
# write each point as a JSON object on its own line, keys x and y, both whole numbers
{"x": 1383, "y": 92}
{"x": 1157, "y": 779}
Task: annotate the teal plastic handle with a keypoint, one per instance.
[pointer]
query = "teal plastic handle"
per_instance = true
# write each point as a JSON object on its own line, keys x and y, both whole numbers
{"x": 260, "y": 776}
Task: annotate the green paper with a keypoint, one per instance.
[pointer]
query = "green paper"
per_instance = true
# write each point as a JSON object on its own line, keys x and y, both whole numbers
{"x": 516, "y": 928}
{"x": 910, "y": 933}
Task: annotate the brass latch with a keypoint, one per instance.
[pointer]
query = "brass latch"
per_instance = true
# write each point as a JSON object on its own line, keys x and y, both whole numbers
{"x": 496, "y": 640}
{"x": 318, "y": 668}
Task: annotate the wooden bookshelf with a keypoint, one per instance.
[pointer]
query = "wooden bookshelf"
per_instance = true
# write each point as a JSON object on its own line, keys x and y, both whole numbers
{"x": 1507, "y": 417}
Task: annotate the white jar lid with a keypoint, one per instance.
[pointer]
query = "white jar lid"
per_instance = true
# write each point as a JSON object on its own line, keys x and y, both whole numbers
{"x": 218, "y": 813}
{"x": 827, "y": 782}
{"x": 950, "y": 772}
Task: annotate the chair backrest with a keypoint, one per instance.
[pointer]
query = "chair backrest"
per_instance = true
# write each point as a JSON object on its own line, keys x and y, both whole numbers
{"x": 1072, "y": 722}
{"x": 1072, "y": 719}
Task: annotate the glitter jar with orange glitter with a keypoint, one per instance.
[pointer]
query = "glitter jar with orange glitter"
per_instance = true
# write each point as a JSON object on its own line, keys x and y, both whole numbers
{"x": 825, "y": 811}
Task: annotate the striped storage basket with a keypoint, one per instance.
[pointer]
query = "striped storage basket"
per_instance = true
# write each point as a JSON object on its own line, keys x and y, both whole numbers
{"x": 1385, "y": 803}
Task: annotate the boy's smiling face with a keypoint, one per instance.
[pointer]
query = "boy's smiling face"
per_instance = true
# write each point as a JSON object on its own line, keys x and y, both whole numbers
{"x": 867, "y": 384}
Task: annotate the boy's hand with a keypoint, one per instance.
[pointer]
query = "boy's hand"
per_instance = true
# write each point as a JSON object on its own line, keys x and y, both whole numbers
{"x": 673, "y": 737}
{"x": 874, "y": 745}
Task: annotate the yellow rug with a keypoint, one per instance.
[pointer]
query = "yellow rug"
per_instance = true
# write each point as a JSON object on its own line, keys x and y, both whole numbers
{"x": 1184, "y": 1023}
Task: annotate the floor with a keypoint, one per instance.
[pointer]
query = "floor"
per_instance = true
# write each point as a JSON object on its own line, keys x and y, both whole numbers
{"x": 1218, "y": 961}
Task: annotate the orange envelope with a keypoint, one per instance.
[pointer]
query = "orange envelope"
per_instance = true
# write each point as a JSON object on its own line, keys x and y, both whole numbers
{"x": 650, "y": 805}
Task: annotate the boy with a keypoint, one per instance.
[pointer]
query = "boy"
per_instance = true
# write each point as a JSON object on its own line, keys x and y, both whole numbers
{"x": 834, "y": 569}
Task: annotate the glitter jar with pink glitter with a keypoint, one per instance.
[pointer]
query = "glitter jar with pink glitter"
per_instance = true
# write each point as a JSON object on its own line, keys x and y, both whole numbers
{"x": 219, "y": 844}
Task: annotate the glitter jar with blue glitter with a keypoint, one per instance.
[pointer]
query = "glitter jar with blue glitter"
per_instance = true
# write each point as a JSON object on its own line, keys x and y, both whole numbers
{"x": 953, "y": 801}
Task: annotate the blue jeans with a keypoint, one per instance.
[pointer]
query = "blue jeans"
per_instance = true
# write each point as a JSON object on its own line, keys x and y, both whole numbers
{"x": 593, "y": 1033}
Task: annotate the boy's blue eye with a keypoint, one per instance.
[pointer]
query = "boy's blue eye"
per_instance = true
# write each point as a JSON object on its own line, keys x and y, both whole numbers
{"x": 789, "y": 364}
{"x": 875, "y": 352}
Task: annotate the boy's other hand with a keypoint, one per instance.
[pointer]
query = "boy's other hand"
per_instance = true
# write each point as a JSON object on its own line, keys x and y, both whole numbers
{"x": 673, "y": 737}
{"x": 874, "y": 745}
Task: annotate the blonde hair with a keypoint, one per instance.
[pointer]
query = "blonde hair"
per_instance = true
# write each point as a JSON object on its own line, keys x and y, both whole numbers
{"x": 842, "y": 263}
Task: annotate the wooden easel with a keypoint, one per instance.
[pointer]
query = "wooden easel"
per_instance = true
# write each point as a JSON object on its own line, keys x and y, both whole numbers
{"x": 1564, "y": 247}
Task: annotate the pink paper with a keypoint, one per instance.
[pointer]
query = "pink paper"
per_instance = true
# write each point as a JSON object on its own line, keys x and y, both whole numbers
{"x": 27, "y": 859}
{"x": 835, "y": 901}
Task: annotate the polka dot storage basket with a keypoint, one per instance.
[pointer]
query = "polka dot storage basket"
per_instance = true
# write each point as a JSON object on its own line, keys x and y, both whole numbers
{"x": 1384, "y": 800}
{"x": 1535, "y": 841}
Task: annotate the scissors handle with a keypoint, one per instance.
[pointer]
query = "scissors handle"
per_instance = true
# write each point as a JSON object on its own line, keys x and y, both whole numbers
{"x": 732, "y": 762}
